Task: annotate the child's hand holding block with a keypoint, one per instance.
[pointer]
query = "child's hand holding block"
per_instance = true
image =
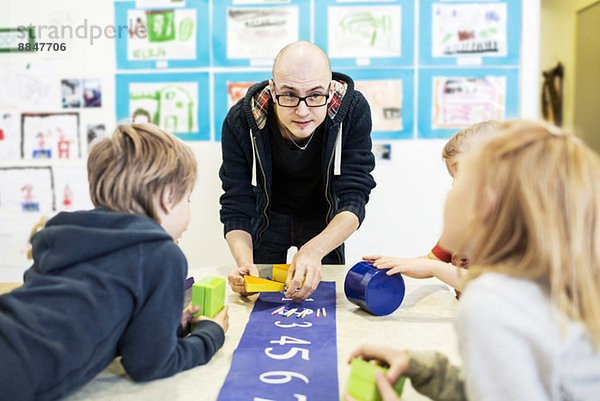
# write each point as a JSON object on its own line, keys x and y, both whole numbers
{"x": 209, "y": 294}
{"x": 257, "y": 284}
{"x": 361, "y": 382}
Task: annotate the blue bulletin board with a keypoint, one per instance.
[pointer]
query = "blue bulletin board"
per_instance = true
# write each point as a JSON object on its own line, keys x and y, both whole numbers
{"x": 470, "y": 48}
{"x": 252, "y": 33}
{"x": 366, "y": 33}
{"x": 450, "y": 98}
{"x": 174, "y": 101}
{"x": 162, "y": 38}
{"x": 229, "y": 88}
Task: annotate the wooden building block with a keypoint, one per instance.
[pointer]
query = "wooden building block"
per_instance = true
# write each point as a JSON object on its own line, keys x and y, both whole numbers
{"x": 209, "y": 294}
{"x": 280, "y": 272}
{"x": 361, "y": 382}
{"x": 257, "y": 284}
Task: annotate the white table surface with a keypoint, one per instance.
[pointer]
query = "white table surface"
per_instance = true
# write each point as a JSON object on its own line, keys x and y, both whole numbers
{"x": 423, "y": 321}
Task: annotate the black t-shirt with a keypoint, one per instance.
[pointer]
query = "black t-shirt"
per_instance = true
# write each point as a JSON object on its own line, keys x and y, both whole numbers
{"x": 297, "y": 186}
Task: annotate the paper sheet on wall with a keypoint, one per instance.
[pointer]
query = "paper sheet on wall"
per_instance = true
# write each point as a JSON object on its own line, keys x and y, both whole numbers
{"x": 26, "y": 189}
{"x": 162, "y": 34}
{"x": 173, "y": 106}
{"x": 458, "y": 101}
{"x": 469, "y": 29}
{"x": 50, "y": 136}
{"x": 255, "y": 33}
{"x": 385, "y": 101}
{"x": 364, "y": 31}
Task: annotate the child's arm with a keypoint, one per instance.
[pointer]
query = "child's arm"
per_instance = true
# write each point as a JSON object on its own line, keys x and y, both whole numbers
{"x": 150, "y": 346}
{"x": 421, "y": 268}
{"x": 430, "y": 373}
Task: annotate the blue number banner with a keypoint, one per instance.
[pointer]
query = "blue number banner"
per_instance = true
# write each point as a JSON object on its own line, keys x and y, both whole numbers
{"x": 288, "y": 350}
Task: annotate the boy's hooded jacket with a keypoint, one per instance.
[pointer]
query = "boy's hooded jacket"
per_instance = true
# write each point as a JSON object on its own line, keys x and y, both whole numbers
{"x": 246, "y": 172}
{"x": 102, "y": 284}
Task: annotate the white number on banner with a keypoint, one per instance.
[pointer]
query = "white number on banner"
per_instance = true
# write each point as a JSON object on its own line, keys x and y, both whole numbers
{"x": 289, "y": 354}
{"x": 299, "y": 397}
{"x": 289, "y": 340}
{"x": 284, "y": 377}
{"x": 279, "y": 324}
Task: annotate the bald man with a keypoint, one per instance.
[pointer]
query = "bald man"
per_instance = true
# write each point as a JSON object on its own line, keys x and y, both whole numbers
{"x": 296, "y": 169}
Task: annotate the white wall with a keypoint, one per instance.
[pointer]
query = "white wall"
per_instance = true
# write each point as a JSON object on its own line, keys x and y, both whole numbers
{"x": 404, "y": 215}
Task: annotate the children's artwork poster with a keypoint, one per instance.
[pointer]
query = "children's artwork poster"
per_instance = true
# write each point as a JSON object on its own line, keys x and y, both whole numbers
{"x": 252, "y": 35}
{"x": 470, "y": 33}
{"x": 461, "y": 101}
{"x": 385, "y": 100}
{"x": 50, "y": 136}
{"x": 171, "y": 101}
{"x": 174, "y": 37}
{"x": 366, "y": 33}
{"x": 390, "y": 94}
{"x": 71, "y": 188}
{"x": 9, "y": 135}
{"x": 461, "y": 97}
{"x": 229, "y": 88}
{"x": 288, "y": 350}
{"x": 28, "y": 189}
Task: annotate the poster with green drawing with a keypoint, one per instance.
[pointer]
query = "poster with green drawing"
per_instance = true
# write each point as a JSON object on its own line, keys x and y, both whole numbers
{"x": 364, "y": 31}
{"x": 176, "y": 36}
{"x": 176, "y": 102}
{"x": 171, "y": 106}
{"x": 162, "y": 34}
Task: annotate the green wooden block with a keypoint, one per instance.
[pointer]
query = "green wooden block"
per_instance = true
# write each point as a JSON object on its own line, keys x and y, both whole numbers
{"x": 361, "y": 382}
{"x": 209, "y": 294}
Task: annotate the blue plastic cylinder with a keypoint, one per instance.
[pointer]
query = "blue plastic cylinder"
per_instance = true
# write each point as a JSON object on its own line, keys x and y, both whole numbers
{"x": 373, "y": 290}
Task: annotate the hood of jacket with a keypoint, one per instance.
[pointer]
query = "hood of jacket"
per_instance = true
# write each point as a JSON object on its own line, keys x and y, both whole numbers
{"x": 90, "y": 234}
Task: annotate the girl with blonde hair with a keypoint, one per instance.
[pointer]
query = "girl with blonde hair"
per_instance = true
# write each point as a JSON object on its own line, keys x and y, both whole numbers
{"x": 525, "y": 209}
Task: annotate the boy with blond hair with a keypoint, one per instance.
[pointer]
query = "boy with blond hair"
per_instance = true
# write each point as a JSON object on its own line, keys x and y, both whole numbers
{"x": 109, "y": 282}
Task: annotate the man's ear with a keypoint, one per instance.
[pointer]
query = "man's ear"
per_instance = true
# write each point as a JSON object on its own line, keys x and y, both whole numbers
{"x": 166, "y": 198}
{"x": 272, "y": 87}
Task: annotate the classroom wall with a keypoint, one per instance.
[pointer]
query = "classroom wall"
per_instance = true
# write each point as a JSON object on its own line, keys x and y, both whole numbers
{"x": 405, "y": 213}
{"x": 557, "y": 43}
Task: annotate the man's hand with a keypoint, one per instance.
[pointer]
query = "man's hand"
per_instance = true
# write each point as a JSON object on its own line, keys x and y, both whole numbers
{"x": 236, "y": 278}
{"x": 305, "y": 265}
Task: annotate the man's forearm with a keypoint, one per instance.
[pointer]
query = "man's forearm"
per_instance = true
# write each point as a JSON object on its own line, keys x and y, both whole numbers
{"x": 240, "y": 245}
{"x": 337, "y": 231}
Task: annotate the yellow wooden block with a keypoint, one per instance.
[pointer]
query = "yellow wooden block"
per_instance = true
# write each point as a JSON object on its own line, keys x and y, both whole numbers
{"x": 257, "y": 284}
{"x": 280, "y": 272}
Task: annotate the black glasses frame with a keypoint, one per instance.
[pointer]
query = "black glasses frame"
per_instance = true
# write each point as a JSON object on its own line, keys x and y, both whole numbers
{"x": 301, "y": 99}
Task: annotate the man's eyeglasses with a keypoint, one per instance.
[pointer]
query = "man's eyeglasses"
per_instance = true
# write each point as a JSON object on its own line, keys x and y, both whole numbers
{"x": 314, "y": 100}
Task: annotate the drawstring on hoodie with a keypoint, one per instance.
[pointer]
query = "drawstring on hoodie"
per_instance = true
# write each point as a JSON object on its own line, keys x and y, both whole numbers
{"x": 337, "y": 163}
{"x": 252, "y": 144}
